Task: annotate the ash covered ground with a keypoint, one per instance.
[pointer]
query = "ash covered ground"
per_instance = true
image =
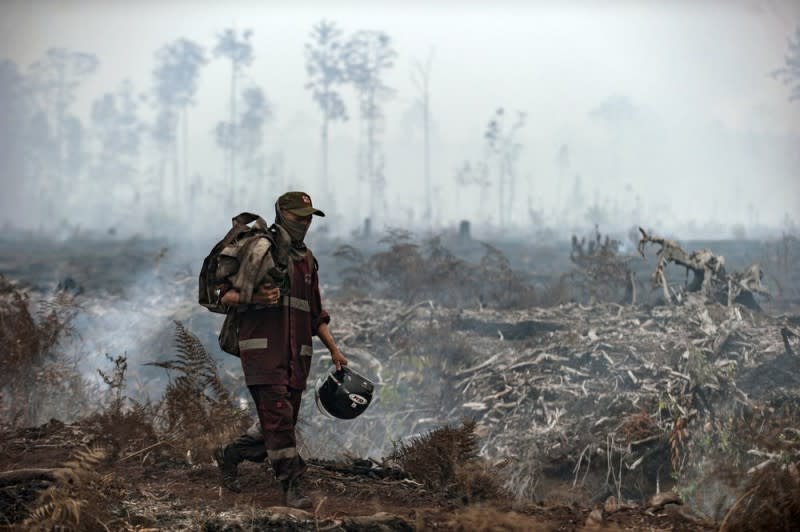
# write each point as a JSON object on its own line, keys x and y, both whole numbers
{"x": 520, "y": 386}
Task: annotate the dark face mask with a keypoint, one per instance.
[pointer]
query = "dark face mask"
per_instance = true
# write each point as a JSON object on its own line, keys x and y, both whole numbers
{"x": 296, "y": 229}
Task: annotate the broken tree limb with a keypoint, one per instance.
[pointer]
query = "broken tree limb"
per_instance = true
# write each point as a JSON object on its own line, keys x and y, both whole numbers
{"x": 709, "y": 279}
{"x": 19, "y": 476}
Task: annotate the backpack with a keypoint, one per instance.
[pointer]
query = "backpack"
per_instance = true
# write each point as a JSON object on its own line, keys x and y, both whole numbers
{"x": 224, "y": 262}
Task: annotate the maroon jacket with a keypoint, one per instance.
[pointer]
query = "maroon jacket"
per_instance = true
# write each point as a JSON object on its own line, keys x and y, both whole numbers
{"x": 275, "y": 342}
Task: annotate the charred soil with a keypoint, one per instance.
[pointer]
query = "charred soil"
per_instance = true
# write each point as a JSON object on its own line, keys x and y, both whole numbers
{"x": 154, "y": 491}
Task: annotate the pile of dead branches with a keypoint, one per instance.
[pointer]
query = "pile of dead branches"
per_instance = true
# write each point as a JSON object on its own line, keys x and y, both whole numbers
{"x": 610, "y": 399}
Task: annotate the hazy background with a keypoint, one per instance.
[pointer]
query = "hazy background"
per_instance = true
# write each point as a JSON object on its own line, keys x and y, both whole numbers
{"x": 659, "y": 114}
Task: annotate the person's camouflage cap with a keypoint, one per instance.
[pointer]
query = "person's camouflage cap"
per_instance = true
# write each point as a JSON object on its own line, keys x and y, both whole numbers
{"x": 298, "y": 203}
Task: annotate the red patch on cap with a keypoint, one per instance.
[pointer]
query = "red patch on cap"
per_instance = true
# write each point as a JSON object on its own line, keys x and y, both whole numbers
{"x": 306, "y": 199}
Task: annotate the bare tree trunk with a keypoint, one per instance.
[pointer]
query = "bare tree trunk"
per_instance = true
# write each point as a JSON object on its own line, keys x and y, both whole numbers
{"x": 512, "y": 183}
{"x": 176, "y": 161}
{"x": 162, "y": 169}
{"x": 421, "y": 78}
{"x": 426, "y": 126}
{"x": 61, "y": 188}
{"x": 501, "y": 193}
{"x": 186, "y": 183}
{"x": 360, "y": 169}
{"x": 232, "y": 139}
{"x": 326, "y": 112}
{"x": 325, "y": 183}
{"x": 371, "y": 153}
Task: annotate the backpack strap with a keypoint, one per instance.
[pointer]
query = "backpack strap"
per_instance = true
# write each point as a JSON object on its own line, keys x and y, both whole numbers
{"x": 313, "y": 264}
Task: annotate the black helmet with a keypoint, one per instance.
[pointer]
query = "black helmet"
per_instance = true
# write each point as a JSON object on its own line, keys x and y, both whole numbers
{"x": 344, "y": 394}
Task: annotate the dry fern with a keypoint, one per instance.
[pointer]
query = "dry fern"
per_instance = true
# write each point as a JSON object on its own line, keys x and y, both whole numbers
{"x": 197, "y": 408}
{"x": 32, "y": 367}
{"x": 71, "y": 502}
{"x": 447, "y": 460}
{"x": 771, "y": 501}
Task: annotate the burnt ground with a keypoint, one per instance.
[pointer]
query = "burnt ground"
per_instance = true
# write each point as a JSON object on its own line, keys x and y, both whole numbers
{"x": 160, "y": 493}
{"x": 573, "y": 391}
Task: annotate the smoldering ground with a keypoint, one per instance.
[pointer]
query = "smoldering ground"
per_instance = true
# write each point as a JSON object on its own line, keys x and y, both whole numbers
{"x": 577, "y": 395}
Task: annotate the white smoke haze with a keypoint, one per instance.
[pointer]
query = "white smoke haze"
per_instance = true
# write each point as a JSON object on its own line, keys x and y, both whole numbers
{"x": 664, "y": 115}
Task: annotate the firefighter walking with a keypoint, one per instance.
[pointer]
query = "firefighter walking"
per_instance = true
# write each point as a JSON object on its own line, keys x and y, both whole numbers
{"x": 275, "y": 346}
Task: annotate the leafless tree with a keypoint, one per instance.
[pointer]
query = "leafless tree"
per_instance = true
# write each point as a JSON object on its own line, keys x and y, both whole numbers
{"x": 504, "y": 150}
{"x": 177, "y": 71}
{"x": 53, "y": 82}
{"x": 789, "y": 73}
{"x": 421, "y": 76}
{"x": 238, "y": 50}
{"x": 367, "y": 55}
{"x": 326, "y": 70}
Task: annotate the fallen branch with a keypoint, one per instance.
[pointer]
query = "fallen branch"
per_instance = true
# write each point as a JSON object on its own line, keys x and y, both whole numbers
{"x": 19, "y": 476}
{"x": 140, "y": 451}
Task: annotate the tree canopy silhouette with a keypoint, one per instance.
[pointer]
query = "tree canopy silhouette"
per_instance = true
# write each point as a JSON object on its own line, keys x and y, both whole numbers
{"x": 789, "y": 73}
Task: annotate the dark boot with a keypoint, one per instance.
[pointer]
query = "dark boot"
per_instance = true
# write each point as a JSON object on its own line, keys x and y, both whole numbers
{"x": 229, "y": 470}
{"x": 293, "y": 494}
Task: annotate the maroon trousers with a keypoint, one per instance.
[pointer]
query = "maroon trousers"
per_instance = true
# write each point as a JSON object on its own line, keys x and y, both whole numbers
{"x": 277, "y": 407}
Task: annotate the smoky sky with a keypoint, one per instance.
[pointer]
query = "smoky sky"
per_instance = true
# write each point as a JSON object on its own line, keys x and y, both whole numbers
{"x": 661, "y": 112}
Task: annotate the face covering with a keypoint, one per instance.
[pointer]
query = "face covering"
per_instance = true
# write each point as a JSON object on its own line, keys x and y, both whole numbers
{"x": 297, "y": 230}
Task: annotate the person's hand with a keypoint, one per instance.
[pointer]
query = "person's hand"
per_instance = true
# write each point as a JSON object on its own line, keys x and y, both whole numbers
{"x": 267, "y": 294}
{"x": 338, "y": 359}
{"x": 231, "y": 297}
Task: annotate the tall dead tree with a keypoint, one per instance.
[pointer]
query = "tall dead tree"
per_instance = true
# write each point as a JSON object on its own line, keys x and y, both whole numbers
{"x": 421, "y": 76}
{"x": 563, "y": 162}
{"x": 504, "y": 150}
{"x": 52, "y": 82}
{"x": 176, "y": 75}
{"x": 117, "y": 131}
{"x": 256, "y": 112}
{"x": 15, "y": 111}
{"x": 238, "y": 50}
{"x": 326, "y": 71}
{"x": 367, "y": 56}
